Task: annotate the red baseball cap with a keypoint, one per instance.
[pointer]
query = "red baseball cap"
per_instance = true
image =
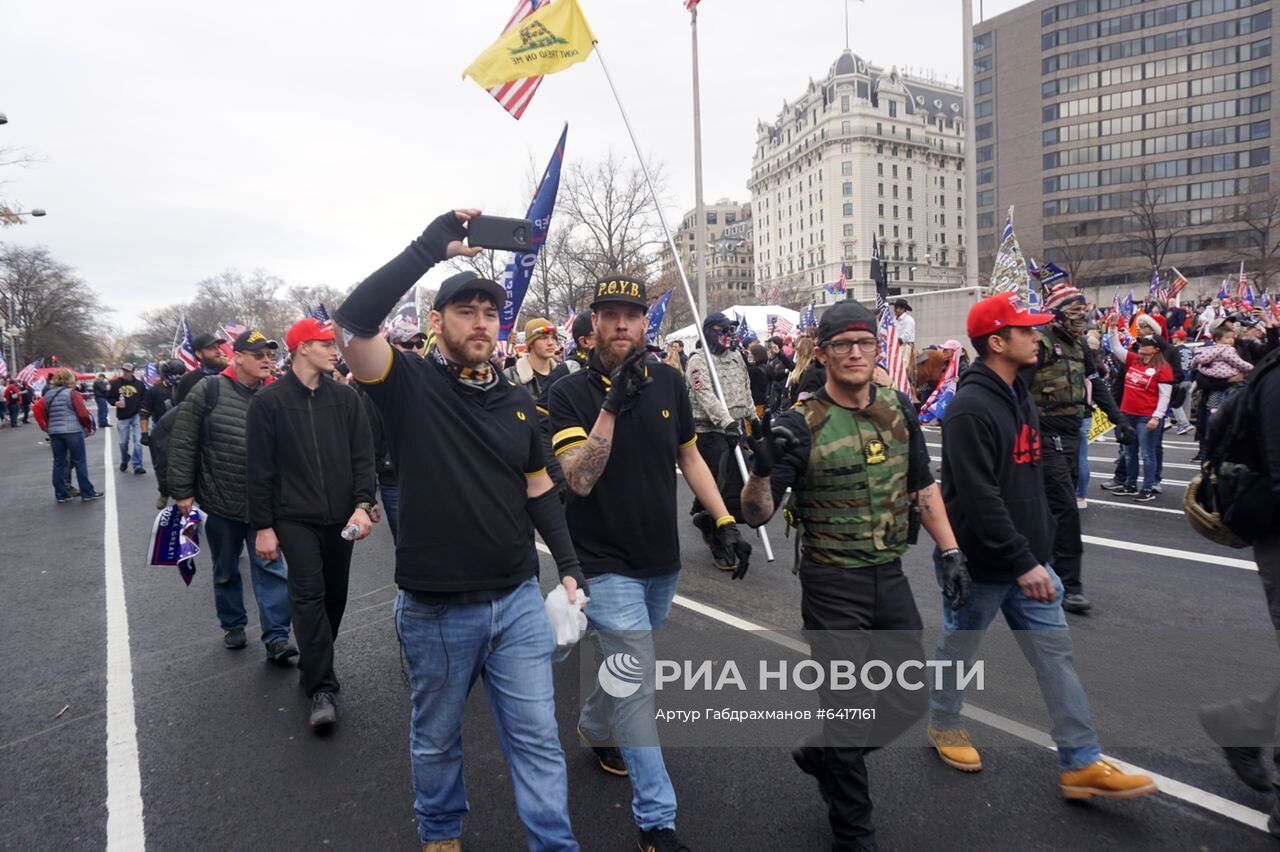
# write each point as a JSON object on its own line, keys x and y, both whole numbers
{"x": 307, "y": 329}
{"x": 1002, "y": 311}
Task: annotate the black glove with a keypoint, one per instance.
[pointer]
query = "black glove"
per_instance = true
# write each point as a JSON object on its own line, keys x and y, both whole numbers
{"x": 733, "y": 434}
{"x": 626, "y": 382}
{"x": 761, "y": 446}
{"x": 145, "y": 440}
{"x": 732, "y": 547}
{"x": 1125, "y": 433}
{"x": 444, "y": 229}
{"x": 955, "y": 578}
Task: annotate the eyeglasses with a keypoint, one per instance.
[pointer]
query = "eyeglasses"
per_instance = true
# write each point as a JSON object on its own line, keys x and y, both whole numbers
{"x": 414, "y": 344}
{"x": 841, "y": 348}
{"x": 259, "y": 354}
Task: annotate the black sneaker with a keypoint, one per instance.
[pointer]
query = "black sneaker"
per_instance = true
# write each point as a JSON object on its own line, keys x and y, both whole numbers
{"x": 660, "y": 840}
{"x": 72, "y": 491}
{"x": 1155, "y": 489}
{"x": 1128, "y": 489}
{"x": 1113, "y": 485}
{"x": 139, "y": 471}
{"x": 609, "y": 757}
{"x": 1143, "y": 496}
{"x": 1075, "y": 602}
{"x": 234, "y": 639}
{"x": 280, "y": 652}
{"x": 64, "y": 499}
{"x": 1245, "y": 761}
{"x": 809, "y": 759}
{"x": 324, "y": 712}
{"x": 87, "y": 497}
{"x": 124, "y": 466}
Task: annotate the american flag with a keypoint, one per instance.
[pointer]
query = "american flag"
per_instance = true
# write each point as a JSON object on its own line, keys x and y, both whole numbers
{"x": 772, "y": 295}
{"x": 150, "y": 375}
{"x": 28, "y": 373}
{"x": 568, "y": 323}
{"x": 232, "y": 330}
{"x": 516, "y": 95}
{"x": 895, "y": 363}
{"x": 779, "y": 324}
{"x": 4, "y": 366}
{"x": 809, "y": 319}
{"x": 184, "y": 351}
{"x": 1179, "y": 282}
{"x": 1243, "y": 287}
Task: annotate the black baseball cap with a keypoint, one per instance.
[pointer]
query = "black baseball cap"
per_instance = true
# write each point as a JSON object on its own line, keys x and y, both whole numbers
{"x": 204, "y": 341}
{"x": 621, "y": 289}
{"x": 252, "y": 341}
{"x": 455, "y": 286}
{"x": 582, "y": 326}
{"x": 846, "y": 315}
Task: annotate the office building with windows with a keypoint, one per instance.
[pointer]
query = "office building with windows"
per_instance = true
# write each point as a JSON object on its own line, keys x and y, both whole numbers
{"x": 729, "y": 266}
{"x": 861, "y": 152}
{"x": 1126, "y": 134}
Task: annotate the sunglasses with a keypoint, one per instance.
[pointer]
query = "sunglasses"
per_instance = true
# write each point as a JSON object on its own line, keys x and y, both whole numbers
{"x": 413, "y": 344}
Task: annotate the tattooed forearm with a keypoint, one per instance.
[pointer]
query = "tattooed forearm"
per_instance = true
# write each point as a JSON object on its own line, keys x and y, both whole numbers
{"x": 933, "y": 516}
{"x": 584, "y": 464}
{"x": 757, "y": 500}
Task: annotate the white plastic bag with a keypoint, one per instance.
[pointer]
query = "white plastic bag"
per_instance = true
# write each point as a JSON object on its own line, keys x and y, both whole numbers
{"x": 568, "y": 621}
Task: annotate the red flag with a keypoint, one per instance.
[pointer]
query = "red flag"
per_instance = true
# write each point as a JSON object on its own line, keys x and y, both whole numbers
{"x": 515, "y": 96}
{"x": 689, "y": 4}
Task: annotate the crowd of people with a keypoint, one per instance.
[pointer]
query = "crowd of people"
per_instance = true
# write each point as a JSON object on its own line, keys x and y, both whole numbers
{"x": 579, "y": 441}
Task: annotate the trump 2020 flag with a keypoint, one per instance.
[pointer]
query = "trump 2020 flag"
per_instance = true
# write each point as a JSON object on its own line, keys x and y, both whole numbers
{"x": 936, "y": 406}
{"x": 520, "y": 269}
{"x": 551, "y": 39}
{"x": 1009, "y": 273}
{"x": 657, "y": 313}
{"x": 175, "y": 541}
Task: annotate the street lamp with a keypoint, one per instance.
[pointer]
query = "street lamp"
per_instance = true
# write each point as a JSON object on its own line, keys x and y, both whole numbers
{"x": 4, "y": 119}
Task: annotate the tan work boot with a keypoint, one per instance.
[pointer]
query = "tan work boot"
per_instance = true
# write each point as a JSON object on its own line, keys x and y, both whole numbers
{"x": 1106, "y": 780}
{"x": 955, "y": 749}
{"x": 454, "y": 845}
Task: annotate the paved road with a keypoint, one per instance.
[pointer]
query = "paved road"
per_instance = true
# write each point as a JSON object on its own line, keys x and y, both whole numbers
{"x": 226, "y": 762}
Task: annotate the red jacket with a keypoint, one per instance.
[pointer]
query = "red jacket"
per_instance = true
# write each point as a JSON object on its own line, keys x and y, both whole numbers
{"x": 12, "y": 394}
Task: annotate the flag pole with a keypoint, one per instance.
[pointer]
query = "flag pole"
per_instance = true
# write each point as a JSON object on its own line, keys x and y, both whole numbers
{"x": 700, "y": 226}
{"x": 684, "y": 279}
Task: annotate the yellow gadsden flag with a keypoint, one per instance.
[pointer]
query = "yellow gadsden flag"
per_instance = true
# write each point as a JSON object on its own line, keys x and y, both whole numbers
{"x": 550, "y": 40}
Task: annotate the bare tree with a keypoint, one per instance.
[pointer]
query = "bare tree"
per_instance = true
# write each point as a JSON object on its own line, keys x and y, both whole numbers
{"x": 612, "y": 218}
{"x": 307, "y": 298}
{"x": 10, "y": 212}
{"x": 55, "y": 311}
{"x": 1261, "y": 226}
{"x": 1074, "y": 253}
{"x": 1154, "y": 229}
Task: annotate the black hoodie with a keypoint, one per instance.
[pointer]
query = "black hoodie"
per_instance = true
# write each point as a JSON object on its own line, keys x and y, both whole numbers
{"x": 992, "y": 478}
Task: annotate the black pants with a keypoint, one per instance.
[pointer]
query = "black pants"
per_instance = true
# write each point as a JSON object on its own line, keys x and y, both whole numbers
{"x": 1255, "y": 719}
{"x": 859, "y": 614}
{"x": 319, "y": 567}
{"x": 717, "y": 452}
{"x": 1061, "y": 455}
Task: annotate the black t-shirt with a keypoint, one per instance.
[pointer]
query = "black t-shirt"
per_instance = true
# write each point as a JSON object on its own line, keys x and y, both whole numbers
{"x": 627, "y": 524}
{"x": 463, "y": 457}
{"x": 158, "y": 399}
{"x": 789, "y": 469}
{"x": 131, "y": 391}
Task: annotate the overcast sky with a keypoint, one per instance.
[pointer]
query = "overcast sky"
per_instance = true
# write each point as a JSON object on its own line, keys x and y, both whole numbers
{"x": 314, "y": 139}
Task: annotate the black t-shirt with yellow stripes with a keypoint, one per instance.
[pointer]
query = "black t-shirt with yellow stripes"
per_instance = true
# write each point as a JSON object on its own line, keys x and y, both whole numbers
{"x": 627, "y": 524}
{"x": 463, "y": 457}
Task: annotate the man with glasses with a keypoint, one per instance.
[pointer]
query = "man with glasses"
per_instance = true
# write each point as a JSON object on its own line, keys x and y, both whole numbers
{"x": 208, "y": 464}
{"x": 1059, "y": 384}
{"x": 407, "y": 337}
{"x": 856, "y": 461}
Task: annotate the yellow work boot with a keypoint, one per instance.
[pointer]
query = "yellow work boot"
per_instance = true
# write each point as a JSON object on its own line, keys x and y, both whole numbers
{"x": 955, "y": 749}
{"x": 1106, "y": 780}
{"x": 454, "y": 845}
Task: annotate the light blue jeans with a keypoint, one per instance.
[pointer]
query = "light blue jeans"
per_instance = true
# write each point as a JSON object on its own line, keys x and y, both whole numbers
{"x": 130, "y": 429}
{"x": 226, "y": 538}
{"x": 1041, "y": 632}
{"x": 624, "y": 612}
{"x": 1082, "y": 487}
{"x": 507, "y": 642}
{"x": 1148, "y": 447}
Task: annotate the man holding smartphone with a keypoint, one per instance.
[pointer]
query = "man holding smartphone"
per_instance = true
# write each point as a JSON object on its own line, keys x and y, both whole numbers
{"x": 469, "y": 602}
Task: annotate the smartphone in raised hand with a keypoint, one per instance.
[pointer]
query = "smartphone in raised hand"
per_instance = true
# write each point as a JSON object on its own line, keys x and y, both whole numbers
{"x": 499, "y": 232}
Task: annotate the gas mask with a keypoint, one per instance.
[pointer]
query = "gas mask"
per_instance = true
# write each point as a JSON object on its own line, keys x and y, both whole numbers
{"x": 1073, "y": 317}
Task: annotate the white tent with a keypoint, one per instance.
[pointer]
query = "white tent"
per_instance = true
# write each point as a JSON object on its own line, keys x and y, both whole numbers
{"x": 757, "y": 316}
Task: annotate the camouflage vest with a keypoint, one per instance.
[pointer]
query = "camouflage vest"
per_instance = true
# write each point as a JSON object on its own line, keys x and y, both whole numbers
{"x": 1058, "y": 386}
{"x": 852, "y": 503}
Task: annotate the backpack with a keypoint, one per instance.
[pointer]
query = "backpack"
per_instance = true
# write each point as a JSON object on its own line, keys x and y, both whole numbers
{"x": 1234, "y": 461}
{"x": 159, "y": 433}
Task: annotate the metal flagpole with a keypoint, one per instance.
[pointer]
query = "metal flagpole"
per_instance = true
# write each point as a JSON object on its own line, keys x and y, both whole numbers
{"x": 700, "y": 227}
{"x": 684, "y": 279}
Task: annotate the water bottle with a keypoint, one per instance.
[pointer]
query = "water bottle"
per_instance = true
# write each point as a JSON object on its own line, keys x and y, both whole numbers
{"x": 350, "y": 531}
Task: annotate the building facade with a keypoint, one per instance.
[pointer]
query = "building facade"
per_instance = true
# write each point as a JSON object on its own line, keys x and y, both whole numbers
{"x": 861, "y": 153}
{"x": 1126, "y": 133}
{"x": 730, "y": 271}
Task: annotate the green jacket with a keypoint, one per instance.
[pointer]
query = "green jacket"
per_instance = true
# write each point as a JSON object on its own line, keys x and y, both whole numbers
{"x": 207, "y": 449}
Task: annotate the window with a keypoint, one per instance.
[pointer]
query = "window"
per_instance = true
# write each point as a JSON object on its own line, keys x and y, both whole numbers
{"x": 882, "y": 230}
{"x": 846, "y": 147}
{"x": 982, "y": 109}
{"x": 846, "y": 168}
{"x": 895, "y": 171}
{"x": 982, "y": 87}
{"x": 848, "y": 251}
{"x": 880, "y": 169}
{"x": 846, "y": 188}
{"x": 880, "y": 190}
{"x": 908, "y": 193}
{"x": 848, "y": 230}
{"x": 847, "y": 210}
{"x": 982, "y": 42}
{"x": 893, "y": 109}
{"x": 911, "y": 232}
{"x": 844, "y": 103}
{"x": 880, "y": 209}
{"x": 908, "y": 212}
{"x": 983, "y": 131}
{"x": 844, "y": 128}
{"x": 982, "y": 66}
{"x": 986, "y": 175}
{"x": 895, "y": 211}
{"x": 711, "y": 218}
{"x": 908, "y": 173}
{"x": 986, "y": 198}
{"x": 895, "y": 190}
{"x": 895, "y": 232}
{"x": 879, "y": 129}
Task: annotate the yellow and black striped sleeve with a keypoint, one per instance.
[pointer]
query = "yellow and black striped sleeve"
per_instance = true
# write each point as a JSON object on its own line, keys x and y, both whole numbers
{"x": 567, "y": 439}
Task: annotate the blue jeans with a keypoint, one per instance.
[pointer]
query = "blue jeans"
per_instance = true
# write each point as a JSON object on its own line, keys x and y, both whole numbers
{"x": 624, "y": 612}
{"x": 103, "y": 410}
{"x": 1082, "y": 487}
{"x": 130, "y": 428}
{"x": 1147, "y": 447}
{"x": 1042, "y": 635}
{"x": 390, "y": 495}
{"x": 70, "y": 446}
{"x": 225, "y": 538}
{"x": 14, "y": 410}
{"x": 508, "y": 642}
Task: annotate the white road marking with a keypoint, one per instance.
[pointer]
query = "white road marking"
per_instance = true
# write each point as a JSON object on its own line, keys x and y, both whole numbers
{"x": 1187, "y": 445}
{"x": 1180, "y": 483}
{"x": 125, "y": 829}
{"x": 1104, "y": 460}
{"x": 1152, "y": 550}
{"x": 1118, "y": 504}
{"x": 1168, "y": 786}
